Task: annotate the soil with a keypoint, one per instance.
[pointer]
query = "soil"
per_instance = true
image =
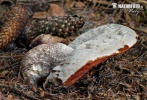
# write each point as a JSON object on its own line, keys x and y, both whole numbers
{"x": 121, "y": 77}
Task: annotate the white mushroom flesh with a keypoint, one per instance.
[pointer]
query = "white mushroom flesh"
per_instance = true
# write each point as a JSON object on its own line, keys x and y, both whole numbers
{"x": 92, "y": 48}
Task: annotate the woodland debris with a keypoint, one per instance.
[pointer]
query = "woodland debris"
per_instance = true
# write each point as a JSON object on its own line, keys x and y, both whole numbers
{"x": 48, "y": 39}
{"x": 40, "y": 15}
{"x": 62, "y": 26}
{"x": 56, "y": 10}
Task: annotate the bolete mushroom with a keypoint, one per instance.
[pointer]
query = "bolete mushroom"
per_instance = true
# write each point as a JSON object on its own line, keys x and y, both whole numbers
{"x": 39, "y": 61}
{"x": 90, "y": 49}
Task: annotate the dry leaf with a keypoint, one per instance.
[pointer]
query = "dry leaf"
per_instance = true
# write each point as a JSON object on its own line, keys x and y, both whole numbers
{"x": 4, "y": 73}
{"x": 79, "y": 5}
{"x": 1, "y": 96}
{"x": 72, "y": 4}
{"x": 93, "y": 16}
{"x": 56, "y": 10}
{"x": 40, "y": 15}
{"x": 10, "y": 97}
{"x": 67, "y": 4}
{"x": 31, "y": 93}
{"x": 47, "y": 39}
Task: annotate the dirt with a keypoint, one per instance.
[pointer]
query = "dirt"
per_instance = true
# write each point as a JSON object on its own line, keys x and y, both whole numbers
{"x": 121, "y": 77}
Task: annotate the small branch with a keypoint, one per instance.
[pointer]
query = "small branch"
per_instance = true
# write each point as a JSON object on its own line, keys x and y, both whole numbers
{"x": 8, "y": 56}
{"x": 14, "y": 90}
{"x": 11, "y": 66}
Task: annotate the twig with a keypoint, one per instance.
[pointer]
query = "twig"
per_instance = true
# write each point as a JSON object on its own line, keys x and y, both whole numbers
{"x": 104, "y": 2}
{"x": 140, "y": 56}
{"x": 137, "y": 76}
{"x": 144, "y": 87}
{"x": 11, "y": 66}
{"x": 141, "y": 29}
{"x": 142, "y": 1}
{"x": 14, "y": 90}
{"x": 11, "y": 56}
{"x": 143, "y": 44}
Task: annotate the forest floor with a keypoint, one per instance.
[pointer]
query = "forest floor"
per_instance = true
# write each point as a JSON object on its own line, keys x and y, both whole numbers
{"x": 121, "y": 77}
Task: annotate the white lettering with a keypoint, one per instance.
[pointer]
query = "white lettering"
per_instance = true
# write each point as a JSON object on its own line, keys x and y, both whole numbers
{"x": 126, "y": 5}
{"x": 120, "y": 5}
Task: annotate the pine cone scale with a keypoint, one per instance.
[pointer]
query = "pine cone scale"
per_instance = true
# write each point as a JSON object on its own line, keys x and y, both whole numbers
{"x": 14, "y": 23}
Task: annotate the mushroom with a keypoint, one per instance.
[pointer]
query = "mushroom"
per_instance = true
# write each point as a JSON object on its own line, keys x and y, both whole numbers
{"x": 39, "y": 61}
{"x": 90, "y": 49}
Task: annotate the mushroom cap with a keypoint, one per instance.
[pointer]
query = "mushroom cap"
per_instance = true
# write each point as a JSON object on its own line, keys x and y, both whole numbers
{"x": 92, "y": 48}
{"x": 39, "y": 61}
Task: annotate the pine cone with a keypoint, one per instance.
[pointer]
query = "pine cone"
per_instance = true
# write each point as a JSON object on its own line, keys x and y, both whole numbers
{"x": 14, "y": 23}
{"x": 57, "y": 26}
